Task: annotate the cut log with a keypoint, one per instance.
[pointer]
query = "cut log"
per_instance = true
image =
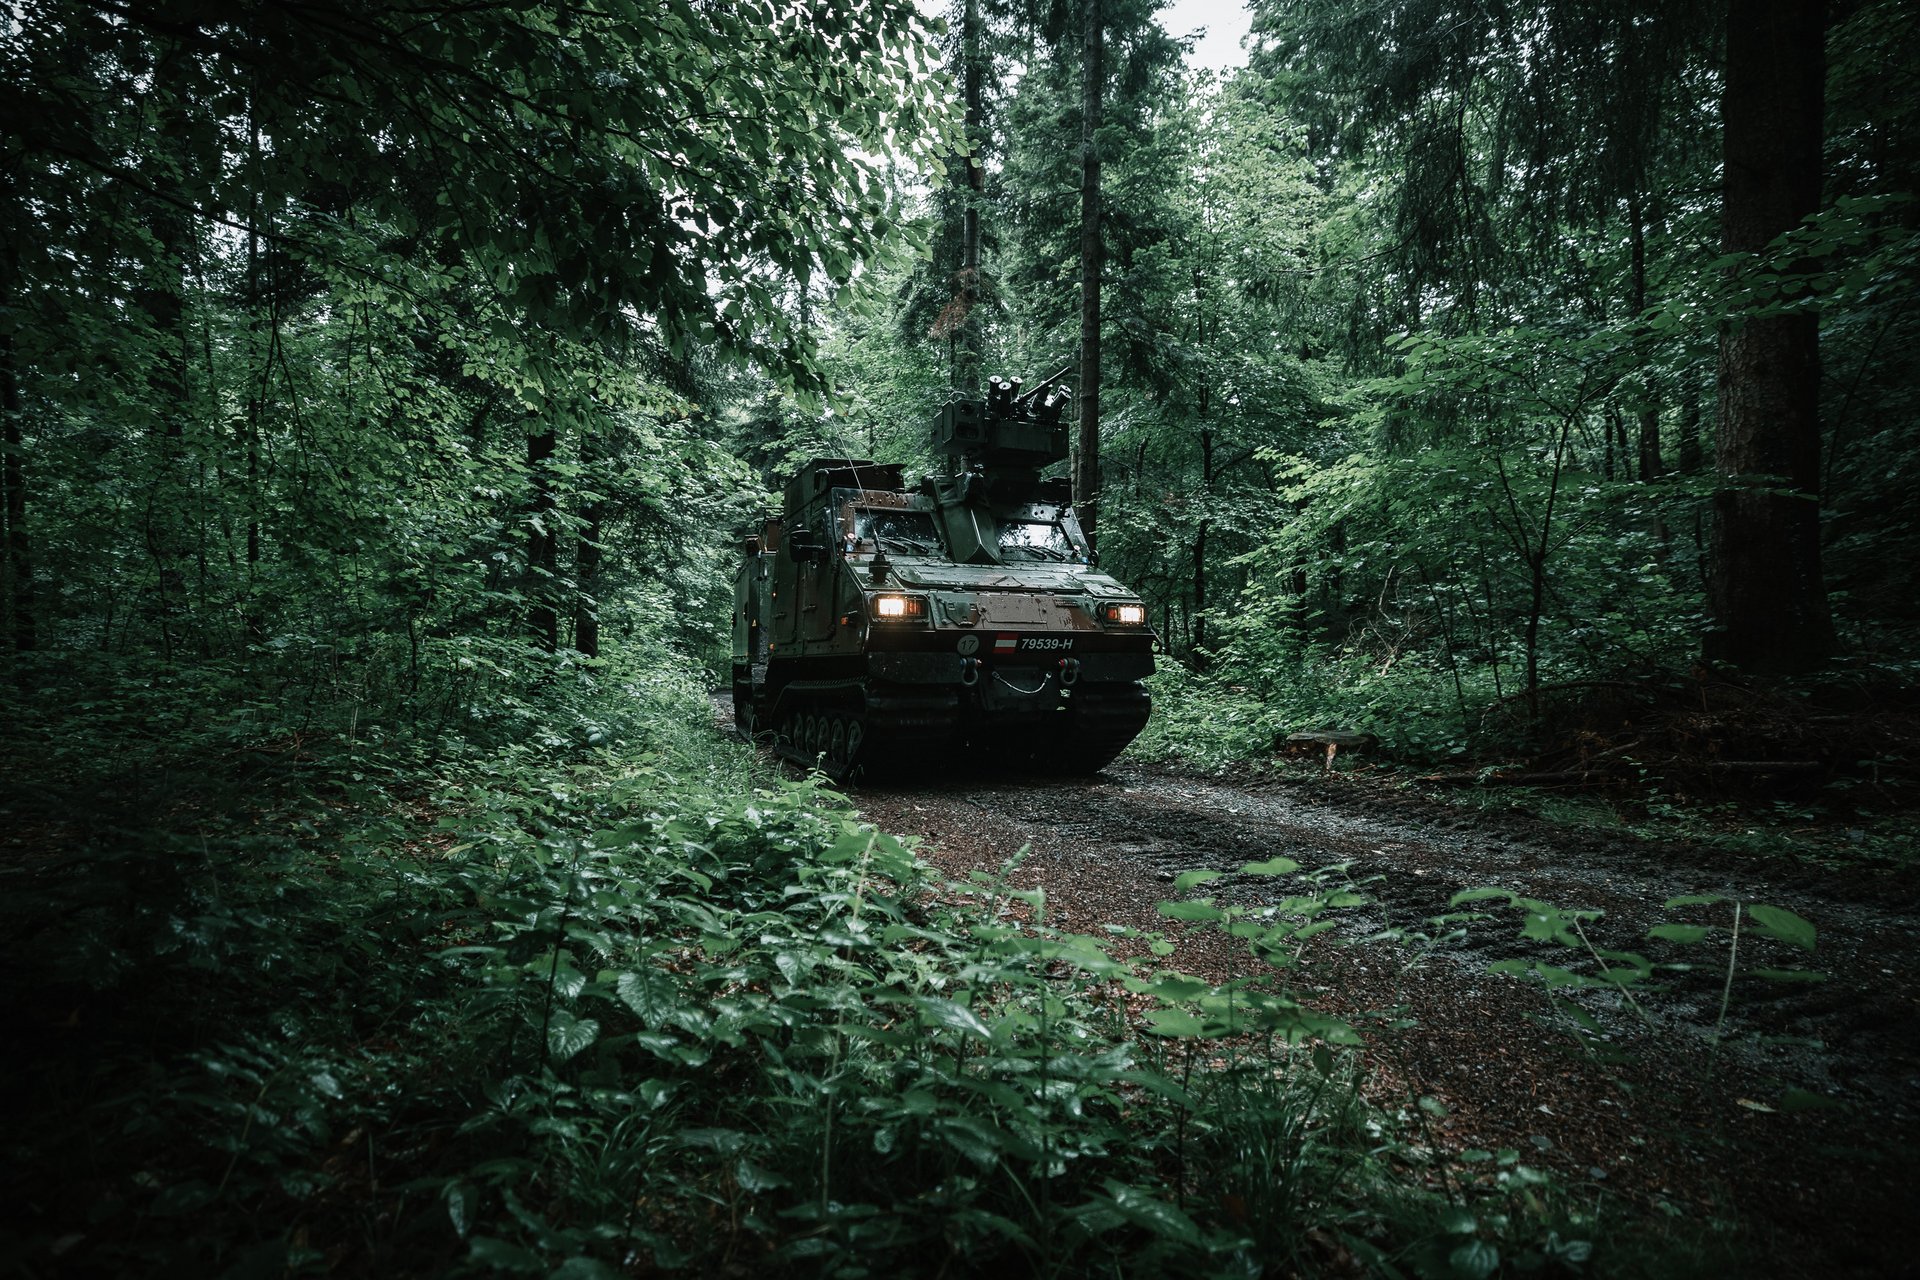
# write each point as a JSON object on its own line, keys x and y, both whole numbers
{"x": 1326, "y": 742}
{"x": 1322, "y": 738}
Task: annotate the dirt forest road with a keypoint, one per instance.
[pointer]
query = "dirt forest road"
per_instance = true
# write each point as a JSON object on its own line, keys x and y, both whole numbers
{"x": 1670, "y": 1127}
{"x": 1660, "y": 1128}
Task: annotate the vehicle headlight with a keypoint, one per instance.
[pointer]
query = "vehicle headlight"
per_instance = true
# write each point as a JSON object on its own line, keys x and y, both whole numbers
{"x": 899, "y": 608}
{"x": 1125, "y": 615}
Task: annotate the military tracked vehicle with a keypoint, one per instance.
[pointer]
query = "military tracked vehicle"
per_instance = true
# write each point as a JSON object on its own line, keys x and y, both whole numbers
{"x": 882, "y": 628}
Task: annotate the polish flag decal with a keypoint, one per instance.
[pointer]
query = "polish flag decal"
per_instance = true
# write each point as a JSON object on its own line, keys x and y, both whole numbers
{"x": 1005, "y": 643}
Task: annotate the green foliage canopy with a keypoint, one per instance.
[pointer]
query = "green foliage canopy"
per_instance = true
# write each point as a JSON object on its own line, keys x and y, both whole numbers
{"x": 604, "y": 168}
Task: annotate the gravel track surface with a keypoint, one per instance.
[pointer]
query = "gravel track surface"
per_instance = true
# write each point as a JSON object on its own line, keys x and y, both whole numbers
{"x": 1670, "y": 1126}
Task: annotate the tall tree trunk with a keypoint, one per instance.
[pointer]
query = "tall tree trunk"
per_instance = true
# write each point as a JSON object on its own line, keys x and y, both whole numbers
{"x": 253, "y": 617}
{"x": 166, "y": 390}
{"x": 1200, "y": 539}
{"x": 1536, "y": 551}
{"x": 543, "y": 542}
{"x": 1766, "y": 594}
{"x": 13, "y": 477}
{"x": 968, "y": 338}
{"x": 1651, "y": 467}
{"x": 1652, "y": 464}
{"x": 16, "y": 571}
{"x": 160, "y": 296}
{"x": 1086, "y": 463}
{"x": 1690, "y": 458}
{"x": 586, "y": 565}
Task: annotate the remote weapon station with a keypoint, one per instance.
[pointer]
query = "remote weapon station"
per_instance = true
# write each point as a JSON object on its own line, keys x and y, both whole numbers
{"x": 881, "y": 627}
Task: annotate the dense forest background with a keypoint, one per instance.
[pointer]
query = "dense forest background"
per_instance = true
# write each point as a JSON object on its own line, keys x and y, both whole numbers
{"x": 386, "y": 390}
{"x": 391, "y": 364}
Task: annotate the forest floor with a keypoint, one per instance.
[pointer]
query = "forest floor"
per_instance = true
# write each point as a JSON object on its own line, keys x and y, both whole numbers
{"x": 184, "y": 937}
{"x": 1667, "y": 1125}
{"x": 1797, "y": 1135}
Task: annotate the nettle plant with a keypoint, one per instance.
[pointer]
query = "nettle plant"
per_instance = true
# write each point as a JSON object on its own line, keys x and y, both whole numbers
{"x": 1276, "y": 934}
{"x": 1233, "y": 1043}
{"x": 1263, "y": 1104}
{"x": 752, "y": 1029}
{"x": 1631, "y": 975}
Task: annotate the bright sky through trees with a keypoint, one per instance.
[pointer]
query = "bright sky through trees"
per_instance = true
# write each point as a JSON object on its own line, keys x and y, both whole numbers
{"x": 1226, "y": 23}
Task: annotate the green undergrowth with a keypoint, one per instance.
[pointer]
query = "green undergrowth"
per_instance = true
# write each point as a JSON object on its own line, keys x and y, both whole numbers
{"x": 1200, "y": 724}
{"x": 347, "y": 1005}
{"x": 1833, "y": 833}
{"x": 1217, "y": 722}
{"x": 1853, "y": 818}
{"x": 1830, "y": 829}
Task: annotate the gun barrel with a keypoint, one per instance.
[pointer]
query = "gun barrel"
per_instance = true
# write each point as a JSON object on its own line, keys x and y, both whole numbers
{"x": 1030, "y": 396}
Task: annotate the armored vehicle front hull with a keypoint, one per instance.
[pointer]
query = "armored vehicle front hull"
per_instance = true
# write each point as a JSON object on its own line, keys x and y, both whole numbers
{"x": 880, "y": 629}
{"x": 1046, "y": 701}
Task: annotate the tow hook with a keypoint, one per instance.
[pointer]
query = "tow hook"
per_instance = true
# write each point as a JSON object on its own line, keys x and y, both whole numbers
{"x": 1069, "y": 672}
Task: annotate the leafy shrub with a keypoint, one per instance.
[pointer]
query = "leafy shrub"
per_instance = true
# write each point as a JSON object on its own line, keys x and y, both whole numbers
{"x": 552, "y": 1007}
{"x": 601, "y": 1011}
{"x": 1200, "y": 722}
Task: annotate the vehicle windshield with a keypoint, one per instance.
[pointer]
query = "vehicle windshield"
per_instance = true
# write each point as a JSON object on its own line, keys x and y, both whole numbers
{"x": 890, "y": 529}
{"x": 1036, "y": 540}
